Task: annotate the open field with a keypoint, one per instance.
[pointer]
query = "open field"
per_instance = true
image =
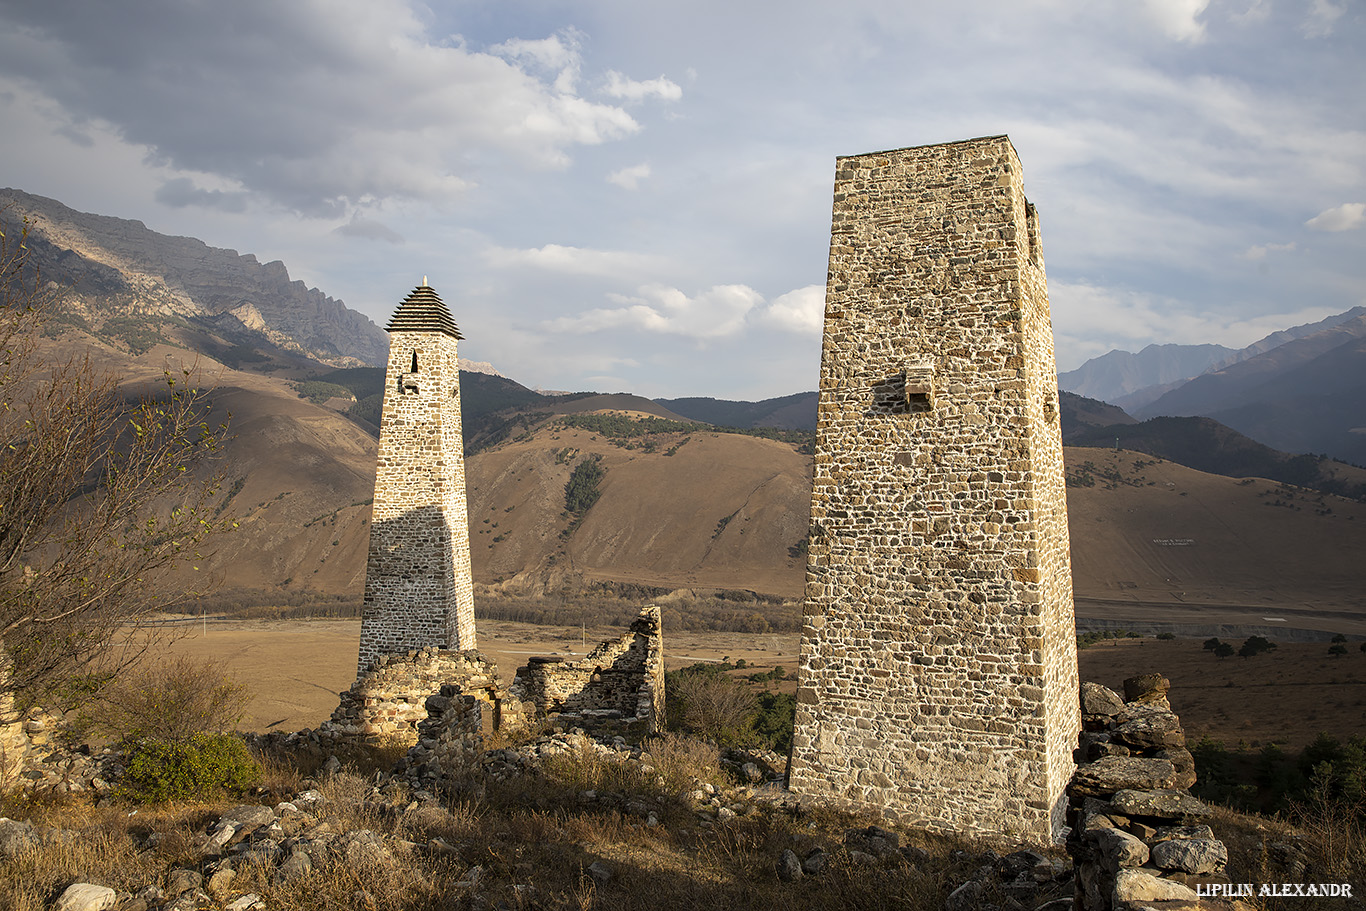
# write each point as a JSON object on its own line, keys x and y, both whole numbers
{"x": 296, "y": 668}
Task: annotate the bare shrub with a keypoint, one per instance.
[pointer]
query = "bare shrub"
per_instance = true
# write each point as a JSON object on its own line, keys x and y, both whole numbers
{"x": 169, "y": 701}
{"x": 716, "y": 707}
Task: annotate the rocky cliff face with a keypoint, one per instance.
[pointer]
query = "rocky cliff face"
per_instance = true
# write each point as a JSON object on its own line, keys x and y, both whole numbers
{"x": 118, "y": 265}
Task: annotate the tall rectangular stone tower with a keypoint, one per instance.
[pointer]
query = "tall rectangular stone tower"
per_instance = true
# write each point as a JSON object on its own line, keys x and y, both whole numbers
{"x": 418, "y": 587}
{"x": 938, "y": 675}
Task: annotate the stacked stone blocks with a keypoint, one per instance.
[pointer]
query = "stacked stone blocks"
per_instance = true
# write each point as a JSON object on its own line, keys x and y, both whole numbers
{"x": 1138, "y": 838}
{"x": 938, "y": 666}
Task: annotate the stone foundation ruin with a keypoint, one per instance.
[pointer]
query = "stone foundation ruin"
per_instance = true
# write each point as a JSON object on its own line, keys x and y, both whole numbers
{"x": 456, "y": 697}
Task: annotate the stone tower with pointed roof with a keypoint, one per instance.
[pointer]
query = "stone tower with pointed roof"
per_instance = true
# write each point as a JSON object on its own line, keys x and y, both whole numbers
{"x": 418, "y": 588}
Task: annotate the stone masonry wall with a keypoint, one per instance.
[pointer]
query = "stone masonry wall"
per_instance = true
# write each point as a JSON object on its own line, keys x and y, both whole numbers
{"x": 938, "y": 667}
{"x": 619, "y": 686}
{"x": 418, "y": 588}
{"x": 391, "y": 699}
{"x": 446, "y": 701}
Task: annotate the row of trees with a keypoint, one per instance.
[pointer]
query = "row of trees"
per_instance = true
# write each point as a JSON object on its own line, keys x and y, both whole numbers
{"x": 99, "y": 496}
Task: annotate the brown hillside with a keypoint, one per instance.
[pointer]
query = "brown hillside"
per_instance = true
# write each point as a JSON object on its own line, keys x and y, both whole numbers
{"x": 722, "y": 511}
{"x": 1164, "y": 542}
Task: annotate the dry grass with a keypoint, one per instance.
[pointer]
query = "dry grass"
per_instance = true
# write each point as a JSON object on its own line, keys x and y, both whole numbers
{"x": 1327, "y": 837}
{"x": 533, "y": 842}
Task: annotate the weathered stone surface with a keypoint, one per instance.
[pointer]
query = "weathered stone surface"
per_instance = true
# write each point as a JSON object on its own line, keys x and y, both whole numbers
{"x": 1104, "y": 777}
{"x": 1191, "y": 855}
{"x": 1181, "y": 760}
{"x": 789, "y": 867}
{"x": 966, "y": 897}
{"x": 181, "y": 881}
{"x": 1150, "y": 732}
{"x": 1146, "y": 688}
{"x": 1167, "y": 833}
{"x": 85, "y": 897}
{"x": 1101, "y": 701}
{"x": 1141, "y": 886}
{"x": 1158, "y": 804}
{"x": 1118, "y": 849}
{"x": 938, "y": 674}
{"x": 16, "y": 837}
{"x": 815, "y": 862}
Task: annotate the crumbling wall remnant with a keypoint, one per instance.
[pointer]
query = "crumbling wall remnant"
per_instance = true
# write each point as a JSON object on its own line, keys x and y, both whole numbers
{"x": 619, "y": 686}
{"x": 1137, "y": 835}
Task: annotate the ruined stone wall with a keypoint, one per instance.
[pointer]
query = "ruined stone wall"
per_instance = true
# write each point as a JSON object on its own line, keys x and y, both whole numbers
{"x": 619, "y": 686}
{"x": 391, "y": 700}
{"x": 1137, "y": 835}
{"x": 418, "y": 588}
{"x": 938, "y": 665}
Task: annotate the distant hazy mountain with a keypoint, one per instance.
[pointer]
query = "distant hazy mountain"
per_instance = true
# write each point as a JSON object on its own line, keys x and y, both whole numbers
{"x": 1119, "y": 373}
{"x": 116, "y": 269}
{"x": 1306, "y": 395}
{"x": 790, "y": 412}
{"x": 1081, "y": 415}
{"x": 1132, "y": 381}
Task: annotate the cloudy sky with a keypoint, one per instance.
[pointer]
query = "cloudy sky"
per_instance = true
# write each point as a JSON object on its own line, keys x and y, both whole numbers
{"x": 624, "y": 195}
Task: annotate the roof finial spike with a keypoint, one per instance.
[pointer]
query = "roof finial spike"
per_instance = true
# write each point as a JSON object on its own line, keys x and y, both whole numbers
{"x": 424, "y": 281}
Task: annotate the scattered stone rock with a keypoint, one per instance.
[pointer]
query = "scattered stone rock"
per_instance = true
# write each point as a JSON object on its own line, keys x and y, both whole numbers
{"x": 249, "y": 902}
{"x": 789, "y": 867}
{"x": 967, "y": 897}
{"x": 1190, "y": 855}
{"x": 297, "y": 866}
{"x": 600, "y": 872}
{"x": 86, "y": 897}
{"x": 181, "y": 881}
{"x": 219, "y": 883}
{"x": 1140, "y": 886}
{"x": 364, "y": 847}
{"x": 815, "y": 862}
{"x": 16, "y": 837}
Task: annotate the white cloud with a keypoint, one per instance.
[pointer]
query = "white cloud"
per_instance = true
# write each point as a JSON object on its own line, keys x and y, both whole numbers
{"x": 575, "y": 261}
{"x": 1179, "y": 19}
{"x": 619, "y": 86}
{"x": 629, "y": 178}
{"x": 1323, "y": 15}
{"x": 1345, "y": 217}
{"x": 1260, "y": 251}
{"x": 801, "y": 311}
{"x": 718, "y": 312}
{"x": 315, "y": 107}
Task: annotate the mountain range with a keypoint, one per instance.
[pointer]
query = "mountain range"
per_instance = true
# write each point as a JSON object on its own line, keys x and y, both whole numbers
{"x": 1300, "y": 390}
{"x": 685, "y": 503}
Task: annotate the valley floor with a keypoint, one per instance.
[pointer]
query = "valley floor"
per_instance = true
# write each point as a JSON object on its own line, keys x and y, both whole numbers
{"x": 296, "y": 668}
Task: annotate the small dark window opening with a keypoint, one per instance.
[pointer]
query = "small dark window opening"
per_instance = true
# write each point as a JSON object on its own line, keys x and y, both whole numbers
{"x": 414, "y": 368}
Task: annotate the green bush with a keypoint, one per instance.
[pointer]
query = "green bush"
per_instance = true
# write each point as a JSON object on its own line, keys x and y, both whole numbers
{"x": 204, "y": 766}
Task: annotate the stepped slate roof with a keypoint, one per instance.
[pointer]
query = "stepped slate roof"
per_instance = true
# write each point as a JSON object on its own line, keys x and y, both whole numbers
{"x": 423, "y": 311}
